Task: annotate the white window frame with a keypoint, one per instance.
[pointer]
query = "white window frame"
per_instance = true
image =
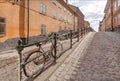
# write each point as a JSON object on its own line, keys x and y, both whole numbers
{"x": 43, "y": 8}
{"x": 54, "y": 14}
{"x": 60, "y": 16}
{"x": 2, "y": 26}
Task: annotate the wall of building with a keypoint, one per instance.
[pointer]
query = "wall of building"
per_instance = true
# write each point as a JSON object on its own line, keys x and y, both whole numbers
{"x": 11, "y": 14}
{"x": 108, "y": 14}
{"x": 17, "y": 18}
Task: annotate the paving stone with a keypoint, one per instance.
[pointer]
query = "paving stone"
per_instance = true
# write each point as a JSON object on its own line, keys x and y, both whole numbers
{"x": 69, "y": 67}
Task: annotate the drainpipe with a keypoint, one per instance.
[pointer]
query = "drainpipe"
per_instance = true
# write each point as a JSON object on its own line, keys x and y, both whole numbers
{"x": 112, "y": 15}
{"x": 28, "y": 21}
{"x": 74, "y": 22}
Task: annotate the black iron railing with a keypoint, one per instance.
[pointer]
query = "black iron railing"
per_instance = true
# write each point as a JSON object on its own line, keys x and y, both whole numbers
{"x": 39, "y": 56}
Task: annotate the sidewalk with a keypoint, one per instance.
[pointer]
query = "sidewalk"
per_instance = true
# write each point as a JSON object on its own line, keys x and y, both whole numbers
{"x": 67, "y": 70}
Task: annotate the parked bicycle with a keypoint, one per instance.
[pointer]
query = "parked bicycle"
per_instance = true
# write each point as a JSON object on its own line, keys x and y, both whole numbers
{"x": 38, "y": 59}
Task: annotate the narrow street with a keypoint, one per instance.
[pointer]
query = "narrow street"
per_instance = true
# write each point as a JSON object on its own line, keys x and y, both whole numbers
{"x": 101, "y": 62}
{"x": 59, "y": 40}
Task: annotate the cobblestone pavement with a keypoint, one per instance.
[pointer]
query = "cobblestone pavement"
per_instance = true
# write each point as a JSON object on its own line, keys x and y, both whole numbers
{"x": 68, "y": 69}
{"x": 115, "y": 36}
{"x": 100, "y": 62}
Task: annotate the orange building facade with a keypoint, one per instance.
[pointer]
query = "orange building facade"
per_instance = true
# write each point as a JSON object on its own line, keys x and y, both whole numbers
{"x": 112, "y": 16}
{"x": 18, "y": 19}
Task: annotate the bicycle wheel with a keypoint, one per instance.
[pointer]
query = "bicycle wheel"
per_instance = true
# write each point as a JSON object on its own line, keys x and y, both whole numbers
{"x": 35, "y": 65}
{"x": 59, "y": 48}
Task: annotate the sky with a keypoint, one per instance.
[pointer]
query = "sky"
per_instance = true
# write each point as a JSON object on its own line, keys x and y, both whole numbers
{"x": 92, "y": 9}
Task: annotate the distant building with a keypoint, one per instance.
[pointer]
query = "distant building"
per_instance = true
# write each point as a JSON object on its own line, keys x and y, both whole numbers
{"x": 86, "y": 24}
{"x": 102, "y": 25}
{"x": 112, "y": 15}
{"x": 79, "y": 18}
{"x": 45, "y": 16}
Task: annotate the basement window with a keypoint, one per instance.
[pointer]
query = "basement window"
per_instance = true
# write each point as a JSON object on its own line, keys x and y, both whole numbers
{"x": 43, "y": 29}
{"x": 2, "y": 26}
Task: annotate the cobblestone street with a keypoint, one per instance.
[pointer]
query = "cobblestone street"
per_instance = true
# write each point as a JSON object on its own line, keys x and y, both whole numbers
{"x": 101, "y": 62}
{"x": 59, "y": 40}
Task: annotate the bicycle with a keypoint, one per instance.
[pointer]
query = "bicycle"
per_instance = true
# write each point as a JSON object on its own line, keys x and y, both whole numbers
{"x": 39, "y": 58}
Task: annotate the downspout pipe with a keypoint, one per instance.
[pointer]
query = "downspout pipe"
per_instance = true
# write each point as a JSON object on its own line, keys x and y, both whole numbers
{"x": 112, "y": 15}
{"x": 28, "y": 25}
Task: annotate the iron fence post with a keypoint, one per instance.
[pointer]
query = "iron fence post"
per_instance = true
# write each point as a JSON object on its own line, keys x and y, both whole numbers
{"x": 70, "y": 38}
{"x": 78, "y": 35}
{"x": 19, "y": 49}
{"x": 55, "y": 46}
{"x": 81, "y": 33}
{"x": 84, "y": 31}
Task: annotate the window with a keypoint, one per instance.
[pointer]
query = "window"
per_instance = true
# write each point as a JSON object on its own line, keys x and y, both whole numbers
{"x": 60, "y": 28}
{"x": 119, "y": 18}
{"x": 65, "y": 9}
{"x": 59, "y": 5}
{"x": 64, "y": 18}
{"x": 2, "y": 26}
{"x": 60, "y": 17}
{"x": 64, "y": 28}
{"x": 43, "y": 29}
{"x": 68, "y": 20}
{"x": 15, "y": 1}
{"x": 54, "y": 1}
{"x": 43, "y": 9}
{"x": 54, "y": 14}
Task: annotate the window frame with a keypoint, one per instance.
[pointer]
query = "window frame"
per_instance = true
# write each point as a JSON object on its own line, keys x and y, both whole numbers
{"x": 43, "y": 29}
{"x": 3, "y": 22}
{"x": 43, "y": 8}
{"x": 54, "y": 14}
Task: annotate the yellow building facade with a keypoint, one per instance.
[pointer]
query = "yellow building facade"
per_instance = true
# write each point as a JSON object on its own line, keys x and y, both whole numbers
{"x": 18, "y": 19}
